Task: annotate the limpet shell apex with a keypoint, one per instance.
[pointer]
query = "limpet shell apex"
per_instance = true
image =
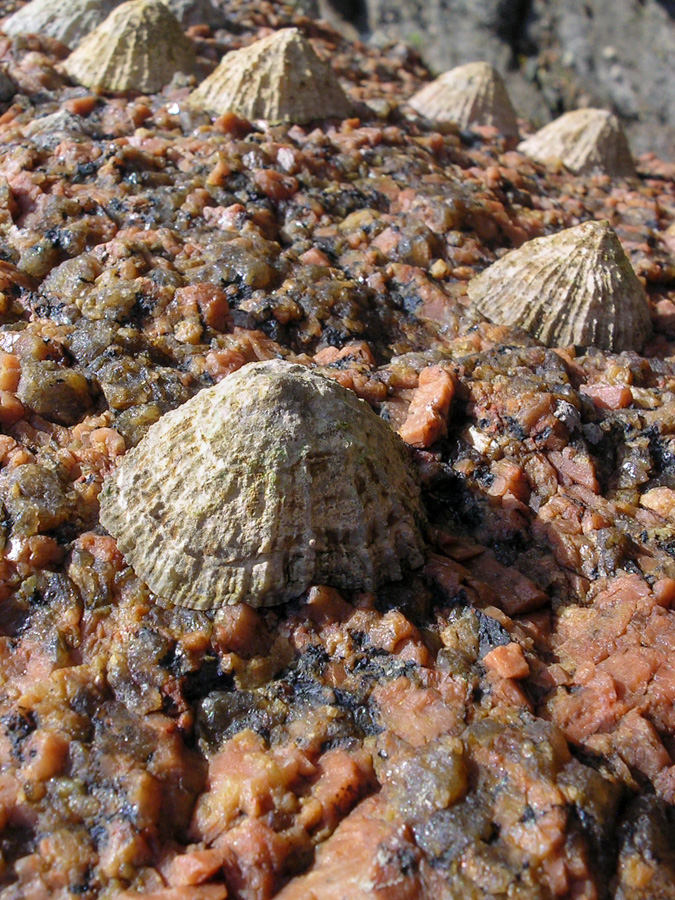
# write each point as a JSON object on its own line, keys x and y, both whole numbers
{"x": 69, "y": 21}
{"x": 574, "y": 287}
{"x": 585, "y": 141}
{"x": 472, "y": 94}
{"x": 279, "y": 78}
{"x": 139, "y": 47}
{"x": 275, "y": 479}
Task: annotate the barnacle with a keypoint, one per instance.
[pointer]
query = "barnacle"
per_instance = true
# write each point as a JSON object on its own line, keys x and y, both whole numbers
{"x": 272, "y": 480}
{"x": 139, "y": 47}
{"x": 279, "y": 78}
{"x": 473, "y": 94}
{"x": 584, "y": 140}
{"x": 575, "y": 287}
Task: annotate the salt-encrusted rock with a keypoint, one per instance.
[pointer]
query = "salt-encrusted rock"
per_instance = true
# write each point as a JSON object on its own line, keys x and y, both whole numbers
{"x": 139, "y": 47}
{"x": 279, "y": 78}
{"x": 574, "y": 287}
{"x": 473, "y": 94}
{"x": 275, "y": 479}
{"x": 584, "y": 140}
{"x": 69, "y": 21}
{"x": 197, "y": 12}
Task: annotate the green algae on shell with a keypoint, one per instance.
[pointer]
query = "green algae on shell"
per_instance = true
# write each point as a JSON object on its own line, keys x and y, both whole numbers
{"x": 275, "y": 479}
{"x": 139, "y": 47}
{"x": 574, "y": 287}
{"x": 278, "y": 78}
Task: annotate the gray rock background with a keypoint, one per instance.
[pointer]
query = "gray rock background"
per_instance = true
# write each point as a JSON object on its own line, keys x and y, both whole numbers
{"x": 555, "y": 54}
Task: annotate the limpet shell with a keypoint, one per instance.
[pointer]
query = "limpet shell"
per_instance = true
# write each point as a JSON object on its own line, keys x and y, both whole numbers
{"x": 139, "y": 47}
{"x": 473, "y": 94}
{"x": 585, "y": 141}
{"x": 574, "y": 287}
{"x": 275, "y": 479}
{"x": 279, "y": 78}
{"x": 69, "y": 21}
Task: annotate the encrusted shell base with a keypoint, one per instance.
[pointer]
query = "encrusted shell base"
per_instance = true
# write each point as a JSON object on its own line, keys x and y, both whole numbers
{"x": 585, "y": 141}
{"x": 273, "y": 480}
{"x": 139, "y": 47}
{"x": 473, "y": 94}
{"x": 66, "y": 20}
{"x": 575, "y": 287}
{"x": 279, "y": 78}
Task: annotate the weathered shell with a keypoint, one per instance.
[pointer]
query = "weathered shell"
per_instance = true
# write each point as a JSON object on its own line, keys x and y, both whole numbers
{"x": 66, "y": 20}
{"x": 279, "y": 78}
{"x": 139, "y": 47}
{"x": 197, "y": 12}
{"x": 48, "y": 131}
{"x": 574, "y": 287}
{"x": 473, "y": 94}
{"x": 584, "y": 140}
{"x": 272, "y": 480}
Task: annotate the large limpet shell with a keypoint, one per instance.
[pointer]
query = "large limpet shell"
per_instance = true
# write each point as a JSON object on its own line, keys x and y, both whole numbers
{"x": 585, "y": 141}
{"x": 574, "y": 287}
{"x": 139, "y": 47}
{"x": 279, "y": 78}
{"x": 66, "y": 20}
{"x": 275, "y": 479}
{"x": 472, "y": 94}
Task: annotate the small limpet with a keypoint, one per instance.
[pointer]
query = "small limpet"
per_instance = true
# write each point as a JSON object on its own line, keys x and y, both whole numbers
{"x": 473, "y": 94}
{"x": 584, "y": 141}
{"x": 574, "y": 287}
{"x": 279, "y": 78}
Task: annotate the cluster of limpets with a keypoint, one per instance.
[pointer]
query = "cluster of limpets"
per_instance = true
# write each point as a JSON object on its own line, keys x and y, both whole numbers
{"x": 278, "y": 478}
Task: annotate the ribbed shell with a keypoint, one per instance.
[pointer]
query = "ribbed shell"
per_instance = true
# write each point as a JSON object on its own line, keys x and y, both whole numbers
{"x": 197, "y": 12}
{"x": 66, "y": 20}
{"x": 279, "y": 78}
{"x": 584, "y": 140}
{"x": 139, "y": 47}
{"x": 275, "y": 479}
{"x": 575, "y": 287}
{"x": 473, "y": 94}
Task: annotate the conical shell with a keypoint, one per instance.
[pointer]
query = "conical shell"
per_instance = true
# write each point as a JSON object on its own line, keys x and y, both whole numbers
{"x": 584, "y": 140}
{"x": 275, "y": 479}
{"x": 575, "y": 287}
{"x": 279, "y": 78}
{"x": 69, "y": 21}
{"x": 473, "y": 94}
{"x": 197, "y": 12}
{"x": 139, "y": 47}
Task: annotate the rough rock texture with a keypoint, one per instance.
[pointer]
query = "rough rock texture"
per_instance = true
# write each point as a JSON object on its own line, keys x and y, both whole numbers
{"x": 556, "y": 55}
{"x": 66, "y": 20}
{"x": 473, "y": 94}
{"x": 197, "y": 12}
{"x": 575, "y": 287}
{"x": 139, "y": 47}
{"x": 584, "y": 140}
{"x": 273, "y": 480}
{"x": 279, "y": 78}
